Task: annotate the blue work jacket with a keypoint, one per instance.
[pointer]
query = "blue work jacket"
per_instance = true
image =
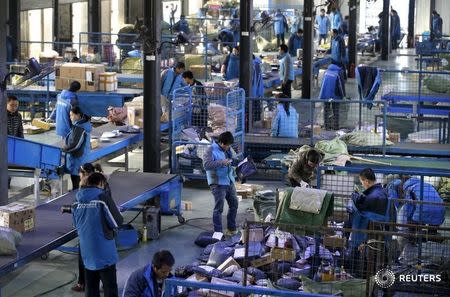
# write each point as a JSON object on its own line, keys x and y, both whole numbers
{"x": 216, "y": 172}
{"x": 88, "y": 211}
{"x": 284, "y": 125}
{"x": 323, "y": 24}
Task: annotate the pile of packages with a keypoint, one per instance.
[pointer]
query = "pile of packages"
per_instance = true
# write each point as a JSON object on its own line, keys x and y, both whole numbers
{"x": 276, "y": 259}
{"x": 221, "y": 119}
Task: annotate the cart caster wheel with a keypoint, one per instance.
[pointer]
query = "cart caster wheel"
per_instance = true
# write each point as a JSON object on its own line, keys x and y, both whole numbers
{"x": 44, "y": 256}
{"x": 181, "y": 220}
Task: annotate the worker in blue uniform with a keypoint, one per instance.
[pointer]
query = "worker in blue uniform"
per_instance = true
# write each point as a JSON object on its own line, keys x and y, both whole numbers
{"x": 226, "y": 37}
{"x": 61, "y": 113}
{"x": 395, "y": 29}
{"x": 171, "y": 80}
{"x": 220, "y": 175}
{"x": 344, "y": 26}
{"x": 279, "y": 26}
{"x": 257, "y": 91}
{"x": 182, "y": 25}
{"x": 336, "y": 18}
{"x": 370, "y": 205}
{"x": 257, "y": 79}
{"x": 97, "y": 222}
{"x": 432, "y": 211}
{"x": 296, "y": 22}
{"x": 230, "y": 67}
{"x": 295, "y": 42}
{"x": 323, "y": 26}
{"x": 436, "y": 25}
{"x": 337, "y": 49}
{"x": 148, "y": 281}
{"x": 286, "y": 70}
{"x": 77, "y": 144}
{"x": 235, "y": 26}
{"x": 285, "y": 121}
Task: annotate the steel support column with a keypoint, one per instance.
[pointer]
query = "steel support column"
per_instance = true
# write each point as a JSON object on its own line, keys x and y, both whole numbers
{"x": 3, "y": 115}
{"x": 385, "y": 40}
{"x": 411, "y": 21}
{"x": 14, "y": 25}
{"x": 307, "y": 76}
{"x": 152, "y": 87}
{"x": 245, "y": 54}
{"x": 56, "y": 47}
{"x": 352, "y": 54}
{"x": 94, "y": 19}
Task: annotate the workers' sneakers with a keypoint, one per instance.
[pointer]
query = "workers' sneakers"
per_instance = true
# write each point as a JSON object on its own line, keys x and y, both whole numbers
{"x": 78, "y": 288}
{"x": 231, "y": 232}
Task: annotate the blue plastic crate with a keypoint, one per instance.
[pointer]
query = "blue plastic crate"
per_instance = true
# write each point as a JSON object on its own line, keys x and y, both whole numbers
{"x": 127, "y": 237}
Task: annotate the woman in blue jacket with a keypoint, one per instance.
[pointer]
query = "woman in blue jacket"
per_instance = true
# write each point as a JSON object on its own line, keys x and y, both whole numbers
{"x": 77, "y": 144}
{"x": 96, "y": 222}
{"x": 285, "y": 122}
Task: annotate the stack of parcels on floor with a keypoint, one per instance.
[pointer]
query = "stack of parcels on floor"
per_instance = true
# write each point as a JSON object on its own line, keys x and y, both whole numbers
{"x": 248, "y": 191}
{"x": 221, "y": 119}
{"x": 86, "y": 74}
{"x": 276, "y": 258}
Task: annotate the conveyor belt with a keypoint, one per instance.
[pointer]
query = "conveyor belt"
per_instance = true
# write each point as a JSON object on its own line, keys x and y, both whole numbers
{"x": 440, "y": 164}
{"x": 54, "y": 229}
{"x": 253, "y": 142}
{"x": 402, "y": 96}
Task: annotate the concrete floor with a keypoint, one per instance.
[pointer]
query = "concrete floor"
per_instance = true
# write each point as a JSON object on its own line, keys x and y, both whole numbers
{"x": 60, "y": 269}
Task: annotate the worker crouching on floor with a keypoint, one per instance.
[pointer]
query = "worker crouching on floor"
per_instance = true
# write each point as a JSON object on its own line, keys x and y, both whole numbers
{"x": 97, "y": 244}
{"x": 77, "y": 144}
{"x": 148, "y": 281}
{"x": 220, "y": 174}
{"x": 304, "y": 167}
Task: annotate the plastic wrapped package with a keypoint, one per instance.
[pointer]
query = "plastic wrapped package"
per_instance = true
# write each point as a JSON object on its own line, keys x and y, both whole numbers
{"x": 9, "y": 239}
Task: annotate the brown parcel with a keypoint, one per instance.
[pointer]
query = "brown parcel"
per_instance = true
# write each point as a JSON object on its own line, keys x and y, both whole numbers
{"x": 17, "y": 216}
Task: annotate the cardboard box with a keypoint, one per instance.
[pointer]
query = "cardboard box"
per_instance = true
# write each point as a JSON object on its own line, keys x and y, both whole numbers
{"x": 283, "y": 254}
{"x": 108, "y": 81}
{"x": 201, "y": 71}
{"x": 394, "y": 137}
{"x": 86, "y": 74}
{"x": 264, "y": 260}
{"x": 187, "y": 205}
{"x": 255, "y": 235}
{"x": 334, "y": 242}
{"x": 135, "y": 116}
{"x": 17, "y": 216}
{"x": 30, "y": 129}
{"x": 215, "y": 293}
{"x": 197, "y": 278}
{"x": 267, "y": 123}
{"x": 94, "y": 144}
{"x": 227, "y": 263}
{"x": 42, "y": 124}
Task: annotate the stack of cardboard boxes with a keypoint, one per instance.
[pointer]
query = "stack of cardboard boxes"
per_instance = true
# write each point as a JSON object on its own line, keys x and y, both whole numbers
{"x": 87, "y": 74}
